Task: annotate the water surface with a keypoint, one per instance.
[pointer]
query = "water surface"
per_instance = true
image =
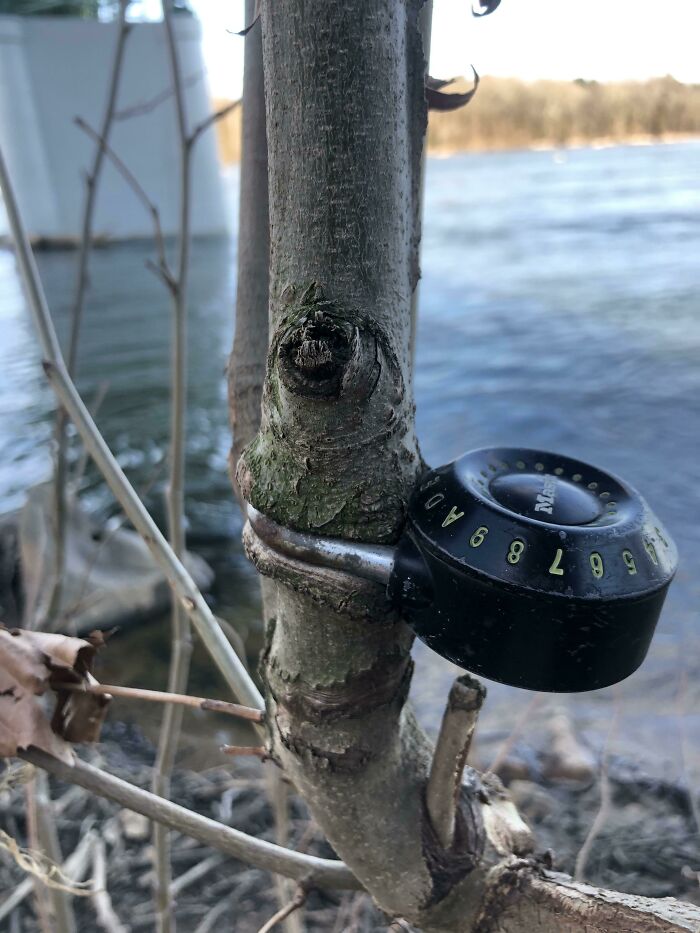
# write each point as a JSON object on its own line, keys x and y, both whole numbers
{"x": 559, "y": 309}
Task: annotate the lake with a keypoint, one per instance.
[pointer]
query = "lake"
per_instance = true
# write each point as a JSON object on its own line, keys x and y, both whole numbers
{"x": 558, "y": 309}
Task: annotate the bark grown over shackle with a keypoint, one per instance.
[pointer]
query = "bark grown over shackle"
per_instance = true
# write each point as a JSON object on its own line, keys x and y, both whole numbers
{"x": 337, "y": 454}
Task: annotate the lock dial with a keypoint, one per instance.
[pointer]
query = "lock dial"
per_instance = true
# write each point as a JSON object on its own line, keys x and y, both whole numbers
{"x": 533, "y": 569}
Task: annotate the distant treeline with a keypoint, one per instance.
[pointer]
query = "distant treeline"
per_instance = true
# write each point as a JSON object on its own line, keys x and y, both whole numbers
{"x": 510, "y": 114}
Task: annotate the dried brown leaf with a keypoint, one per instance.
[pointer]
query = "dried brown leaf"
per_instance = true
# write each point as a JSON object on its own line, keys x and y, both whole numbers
{"x": 435, "y": 84}
{"x": 78, "y": 717}
{"x": 21, "y": 663}
{"x": 31, "y": 663}
{"x": 61, "y": 650}
{"x": 439, "y": 100}
{"x": 484, "y": 7}
{"x": 256, "y": 17}
{"x": 24, "y": 722}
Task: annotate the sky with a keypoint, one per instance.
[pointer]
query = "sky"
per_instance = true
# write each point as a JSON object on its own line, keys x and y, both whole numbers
{"x": 605, "y": 40}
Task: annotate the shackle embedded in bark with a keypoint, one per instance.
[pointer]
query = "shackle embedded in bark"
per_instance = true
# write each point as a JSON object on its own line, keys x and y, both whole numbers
{"x": 526, "y": 567}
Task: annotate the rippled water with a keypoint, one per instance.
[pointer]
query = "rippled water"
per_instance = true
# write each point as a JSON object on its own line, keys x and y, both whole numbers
{"x": 559, "y": 308}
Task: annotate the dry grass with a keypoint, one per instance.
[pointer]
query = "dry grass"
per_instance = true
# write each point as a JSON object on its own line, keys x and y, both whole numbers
{"x": 511, "y": 114}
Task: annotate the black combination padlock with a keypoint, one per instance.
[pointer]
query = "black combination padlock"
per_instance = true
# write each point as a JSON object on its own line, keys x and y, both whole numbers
{"x": 526, "y": 567}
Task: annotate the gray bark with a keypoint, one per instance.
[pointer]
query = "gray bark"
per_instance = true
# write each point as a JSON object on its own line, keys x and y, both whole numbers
{"x": 247, "y": 363}
{"x": 246, "y": 370}
{"x": 343, "y": 268}
{"x": 337, "y": 454}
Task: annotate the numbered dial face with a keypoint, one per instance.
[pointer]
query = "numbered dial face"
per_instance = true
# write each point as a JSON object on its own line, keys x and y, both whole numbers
{"x": 544, "y": 523}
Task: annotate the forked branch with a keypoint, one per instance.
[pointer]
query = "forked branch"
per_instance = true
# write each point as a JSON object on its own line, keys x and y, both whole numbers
{"x": 162, "y": 268}
{"x": 315, "y": 872}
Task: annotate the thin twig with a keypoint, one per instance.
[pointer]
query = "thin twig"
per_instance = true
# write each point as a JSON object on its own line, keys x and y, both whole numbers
{"x": 233, "y": 636}
{"x": 357, "y": 908}
{"x": 603, "y": 814}
{"x": 256, "y": 751}
{"x": 506, "y": 747}
{"x": 211, "y": 120}
{"x": 278, "y": 794}
{"x": 102, "y": 902}
{"x": 177, "y": 576}
{"x": 451, "y": 750}
{"x": 41, "y": 893}
{"x": 181, "y": 637}
{"x": 198, "y": 871}
{"x": 147, "y": 106}
{"x": 91, "y": 184}
{"x": 83, "y": 600}
{"x": 161, "y": 696}
{"x": 307, "y": 836}
{"x": 44, "y": 839}
{"x": 343, "y": 909}
{"x": 320, "y": 872}
{"x": 250, "y": 20}
{"x": 161, "y": 267}
{"x": 81, "y": 465}
{"x": 681, "y": 707}
{"x": 212, "y": 918}
{"x": 297, "y": 901}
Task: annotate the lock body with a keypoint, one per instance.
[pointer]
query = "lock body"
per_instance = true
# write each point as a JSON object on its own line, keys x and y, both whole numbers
{"x": 533, "y": 569}
{"x": 524, "y": 566}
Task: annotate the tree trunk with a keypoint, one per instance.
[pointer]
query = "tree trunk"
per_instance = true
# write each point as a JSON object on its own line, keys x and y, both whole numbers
{"x": 337, "y": 454}
{"x": 247, "y": 364}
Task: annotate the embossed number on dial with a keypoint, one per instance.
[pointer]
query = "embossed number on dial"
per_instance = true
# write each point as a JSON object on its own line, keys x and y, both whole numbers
{"x": 477, "y": 539}
{"x": 597, "y": 568}
{"x": 555, "y": 568}
{"x": 651, "y": 551}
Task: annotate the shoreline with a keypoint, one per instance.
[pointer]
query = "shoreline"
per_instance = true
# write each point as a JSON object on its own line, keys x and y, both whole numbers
{"x": 573, "y": 144}
{"x": 543, "y": 145}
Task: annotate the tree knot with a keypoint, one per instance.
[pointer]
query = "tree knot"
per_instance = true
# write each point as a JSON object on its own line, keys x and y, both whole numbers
{"x": 320, "y": 348}
{"x": 323, "y": 350}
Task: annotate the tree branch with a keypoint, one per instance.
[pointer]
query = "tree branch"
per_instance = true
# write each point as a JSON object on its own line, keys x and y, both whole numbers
{"x": 297, "y": 901}
{"x": 177, "y": 576}
{"x": 91, "y": 182}
{"x": 552, "y": 903}
{"x": 181, "y": 636}
{"x": 211, "y": 120}
{"x": 313, "y": 871}
{"x": 106, "y": 915}
{"x": 91, "y": 185}
{"x": 147, "y": 106}
{"x": 256, "y": 751}
{"x": 54, "y": 907}
{"x": 160, "y": 696}
{"x": 162, "y": 268}
{"x": 451, "y": 750}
